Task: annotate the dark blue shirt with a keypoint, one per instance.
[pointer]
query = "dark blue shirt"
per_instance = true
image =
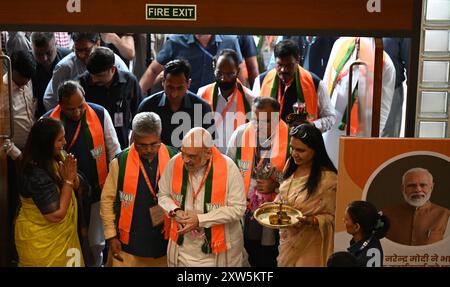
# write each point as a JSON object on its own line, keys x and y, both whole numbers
{"x": 368, "y": 253}
{"x": 42, "y": 77}
{"x": 187, "y": 47}
{"x": 122, "y": 98}
{"x": 191, "y": 114}
{"x": 398, "y": 50}
{"x": 248, "y": 46}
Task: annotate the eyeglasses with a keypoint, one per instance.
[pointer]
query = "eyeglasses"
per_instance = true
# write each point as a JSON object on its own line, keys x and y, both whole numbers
{"x": 151, "y": 146}
{"x": 299, "y": 131}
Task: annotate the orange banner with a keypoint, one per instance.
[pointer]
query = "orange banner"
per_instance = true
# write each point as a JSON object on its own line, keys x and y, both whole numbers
{"x": 374, "y": 169}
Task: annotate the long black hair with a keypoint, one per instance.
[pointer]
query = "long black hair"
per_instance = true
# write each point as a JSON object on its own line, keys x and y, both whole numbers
{"x": 39, "y": 149}
{"x": 370, "y": 221}
{"x": 312, "y": 137}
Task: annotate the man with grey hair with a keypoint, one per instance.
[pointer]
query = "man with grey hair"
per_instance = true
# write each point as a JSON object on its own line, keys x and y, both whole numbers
{"x": 203, "y": 193}
{"x": 132, "y": 218}
{"x": 429, "y": 221}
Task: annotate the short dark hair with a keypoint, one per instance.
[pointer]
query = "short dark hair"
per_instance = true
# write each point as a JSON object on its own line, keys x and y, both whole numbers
{"x": 40, "y": 39}
{"x": 262, "y": 102}
{"x": 79, "y": 36}
{"x": 177, "y": 67}
{"x": 68, "y": 88}
{"x": 286, "y": 48}
{"x": 227, "y": 53}
{"x": 23, "y": 62}
{"x": 100, "y": 60}
{"x": 342, "y": 259}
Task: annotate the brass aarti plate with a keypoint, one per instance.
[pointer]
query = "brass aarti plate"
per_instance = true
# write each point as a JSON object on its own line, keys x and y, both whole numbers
{"x": 276, "y": 215}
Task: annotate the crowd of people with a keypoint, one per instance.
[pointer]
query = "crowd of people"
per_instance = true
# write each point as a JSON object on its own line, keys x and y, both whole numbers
{"x": 160, "y": 158}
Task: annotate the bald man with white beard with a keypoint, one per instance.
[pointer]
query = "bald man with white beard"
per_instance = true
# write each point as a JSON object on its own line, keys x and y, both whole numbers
{"x": 417, "y": 221}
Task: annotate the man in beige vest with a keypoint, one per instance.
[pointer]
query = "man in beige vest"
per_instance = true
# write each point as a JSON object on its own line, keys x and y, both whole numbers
{"x": 417, "y": 221}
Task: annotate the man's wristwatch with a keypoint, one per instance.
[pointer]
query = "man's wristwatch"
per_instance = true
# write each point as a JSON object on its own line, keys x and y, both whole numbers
{"x": 173, "y": 213}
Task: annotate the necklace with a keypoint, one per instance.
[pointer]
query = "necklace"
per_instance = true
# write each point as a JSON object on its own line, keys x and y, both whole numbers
{"x": 299, "y": 192}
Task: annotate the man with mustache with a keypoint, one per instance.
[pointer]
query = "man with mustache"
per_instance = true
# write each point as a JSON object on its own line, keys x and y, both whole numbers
{"x": 289, "y": 83}
{"x": 198, "y": 49}
{"x": 417, "y": 221}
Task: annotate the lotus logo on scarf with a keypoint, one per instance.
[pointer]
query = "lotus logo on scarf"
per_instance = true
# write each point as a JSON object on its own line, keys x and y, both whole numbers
{"x": 126, "y": 198}
{"x": 243, "y": 166}
{"x": 97, "y": 152}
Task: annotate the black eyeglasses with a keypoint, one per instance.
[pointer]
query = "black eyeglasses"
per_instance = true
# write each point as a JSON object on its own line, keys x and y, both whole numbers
{"x": 145, "y": 146}
{"x": 299, "y": 132}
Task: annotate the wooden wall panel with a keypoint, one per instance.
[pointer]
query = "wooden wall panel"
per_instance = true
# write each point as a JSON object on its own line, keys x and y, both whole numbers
{"x": 233, "y": 15}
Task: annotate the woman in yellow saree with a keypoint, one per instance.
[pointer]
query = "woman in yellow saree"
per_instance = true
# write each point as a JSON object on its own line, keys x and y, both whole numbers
{"x": 46, "y": 227}
{"x": 309, "y": 186}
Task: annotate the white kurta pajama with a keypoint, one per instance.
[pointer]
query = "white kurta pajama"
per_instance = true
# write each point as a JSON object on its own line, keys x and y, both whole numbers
{"x": 339, "y": 96}
{"x": 190, "y": 254}
{"x": 225, "y": 125}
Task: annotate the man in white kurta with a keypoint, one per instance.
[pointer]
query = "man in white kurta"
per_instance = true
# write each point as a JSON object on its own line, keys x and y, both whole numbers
{"x": 192, "y": 221}
{"x": 226, "y": 97}
{"x": 339, "y": 91}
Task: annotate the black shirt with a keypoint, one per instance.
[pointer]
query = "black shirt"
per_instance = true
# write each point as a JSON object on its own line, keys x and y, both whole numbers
{"x": 42, "y": 77}
{"x": 121, "y": 99}
{"x": 290, "y": 96}
{"x": 368, "y": 253}
{"x": 191, "y": 114}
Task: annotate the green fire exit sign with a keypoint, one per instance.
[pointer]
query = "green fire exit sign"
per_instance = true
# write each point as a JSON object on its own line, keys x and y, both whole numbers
{"x": 171, "y": 12}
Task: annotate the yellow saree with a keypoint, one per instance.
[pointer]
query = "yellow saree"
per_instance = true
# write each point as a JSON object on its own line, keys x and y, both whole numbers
{"x": 42, "y": 243}
{"x": 306, "y": 245}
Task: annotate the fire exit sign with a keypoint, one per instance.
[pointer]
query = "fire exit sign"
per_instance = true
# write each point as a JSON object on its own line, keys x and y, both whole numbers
{"x": 171, "y": 12}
